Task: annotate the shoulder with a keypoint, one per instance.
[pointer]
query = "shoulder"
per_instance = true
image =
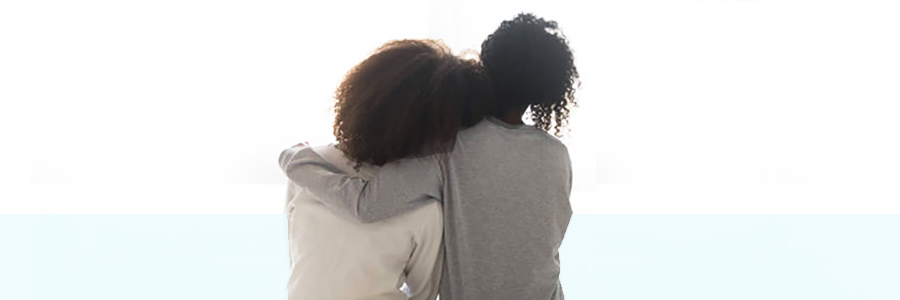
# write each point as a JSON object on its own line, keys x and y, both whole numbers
{"x": 552, "y": 141}
{"x": 554, "y": 147}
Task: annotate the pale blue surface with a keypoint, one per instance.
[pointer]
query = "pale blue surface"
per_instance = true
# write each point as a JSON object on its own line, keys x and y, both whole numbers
{"x": 693, "y": 257}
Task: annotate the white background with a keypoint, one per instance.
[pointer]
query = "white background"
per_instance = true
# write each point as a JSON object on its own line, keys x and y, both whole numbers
{"x": 686, "y": 106}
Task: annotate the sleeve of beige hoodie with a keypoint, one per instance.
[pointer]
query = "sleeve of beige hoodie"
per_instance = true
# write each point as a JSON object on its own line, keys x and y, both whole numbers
{"x": 423, "y": 270}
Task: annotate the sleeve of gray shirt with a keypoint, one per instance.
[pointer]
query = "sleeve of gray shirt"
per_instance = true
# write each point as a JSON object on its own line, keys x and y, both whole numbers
{"x": 396, "y": 188}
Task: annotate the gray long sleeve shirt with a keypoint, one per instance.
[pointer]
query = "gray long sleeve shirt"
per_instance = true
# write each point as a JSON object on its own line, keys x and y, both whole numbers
{"x": 505, "y": 191}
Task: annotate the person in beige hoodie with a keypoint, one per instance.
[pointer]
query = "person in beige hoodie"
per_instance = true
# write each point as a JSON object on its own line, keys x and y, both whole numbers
{"x": 407, "y": 100}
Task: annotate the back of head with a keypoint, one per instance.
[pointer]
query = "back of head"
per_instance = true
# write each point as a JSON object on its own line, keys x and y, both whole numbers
{"x": 409, "y": 98}
{"x": 531, "y": 66}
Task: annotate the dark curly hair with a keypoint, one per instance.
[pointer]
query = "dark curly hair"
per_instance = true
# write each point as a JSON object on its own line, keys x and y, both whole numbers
{"x": 409, "y": 98}
{"x": 531, "y": 66}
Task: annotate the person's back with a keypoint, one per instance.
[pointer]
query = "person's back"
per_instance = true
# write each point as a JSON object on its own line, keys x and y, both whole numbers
{"x": 506, "y": 195}
{"x": 507, "y": 209}
{"x": 334, "y": 256}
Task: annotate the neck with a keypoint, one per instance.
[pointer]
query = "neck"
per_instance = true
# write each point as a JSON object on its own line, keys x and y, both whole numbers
{"x": 513, "y": 117}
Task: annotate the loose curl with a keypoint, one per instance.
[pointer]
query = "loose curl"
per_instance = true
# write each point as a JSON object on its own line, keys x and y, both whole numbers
{"x": 531, "y": 66}
{"x": 409, "y": 98}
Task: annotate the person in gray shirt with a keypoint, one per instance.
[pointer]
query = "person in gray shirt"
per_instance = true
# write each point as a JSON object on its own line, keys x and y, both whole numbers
{"x": 505, "y": 185}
